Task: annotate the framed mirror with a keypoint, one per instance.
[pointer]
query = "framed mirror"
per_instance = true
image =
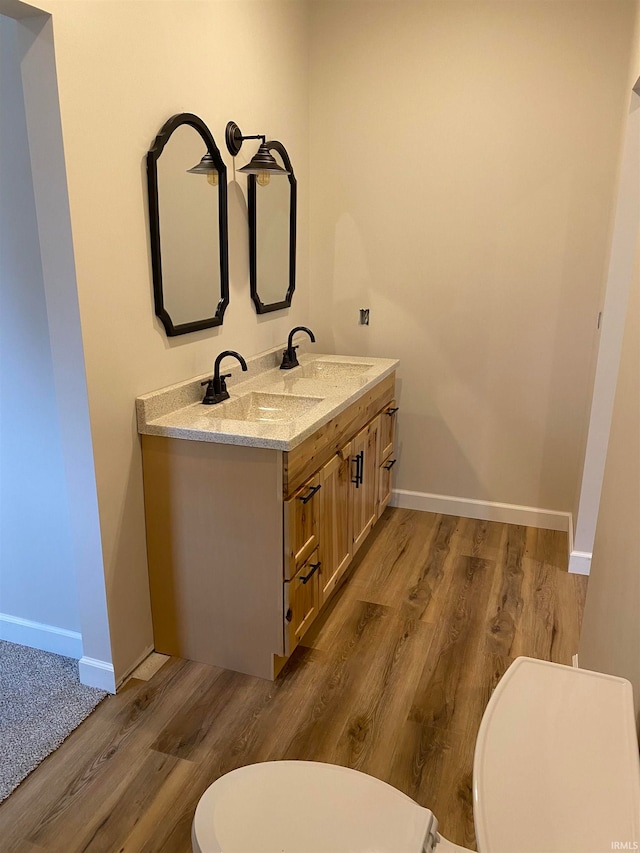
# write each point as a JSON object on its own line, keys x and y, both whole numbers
{"x": 272, "y": 236}
{"x": 187, "y": 181}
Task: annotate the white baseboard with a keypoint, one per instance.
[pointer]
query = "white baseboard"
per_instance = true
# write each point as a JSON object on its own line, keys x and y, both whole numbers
{"x": 97, "y": 673}
{"x": 574, "y": 661}
{"x": 580, "y": 563}
{"x": 37, "y": 635}
{"x": 485, "y": 510}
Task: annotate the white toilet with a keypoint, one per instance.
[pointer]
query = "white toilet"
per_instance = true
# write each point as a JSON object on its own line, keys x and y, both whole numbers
{"x": 556, "y": 770}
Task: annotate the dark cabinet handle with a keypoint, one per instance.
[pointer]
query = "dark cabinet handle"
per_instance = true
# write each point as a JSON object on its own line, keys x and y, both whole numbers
{"x": 308, "y": 497}
{"x": 356, "y": 481}
{"x": 289, "y": 615}
{"x": 359, "y": 460}
{"x": 392, "y": 410}
{"x": 314, "y": 568}
{"x": 390, "y": 464}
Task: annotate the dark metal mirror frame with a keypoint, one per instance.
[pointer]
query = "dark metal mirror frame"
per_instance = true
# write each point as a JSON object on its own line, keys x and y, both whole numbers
{"x": 261, "y": 307}
{"x": 154, "y": 224}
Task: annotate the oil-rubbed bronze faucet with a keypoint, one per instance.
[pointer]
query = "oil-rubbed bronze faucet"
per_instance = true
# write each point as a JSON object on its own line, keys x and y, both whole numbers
{"x": 217, "y": 387}
{"x": 289, "y": 357}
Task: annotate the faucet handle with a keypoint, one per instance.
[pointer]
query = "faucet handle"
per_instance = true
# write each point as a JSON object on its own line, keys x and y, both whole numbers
{"x": 289, "y": 358}
{"x": 209, "y": 395}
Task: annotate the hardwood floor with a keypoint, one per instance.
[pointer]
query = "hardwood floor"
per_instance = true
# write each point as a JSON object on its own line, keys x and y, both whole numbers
{"x": 393, "y": 682}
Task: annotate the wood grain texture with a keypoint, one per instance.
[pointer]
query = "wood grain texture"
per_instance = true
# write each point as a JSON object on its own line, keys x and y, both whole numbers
{"x": 301, "y": 602}
{"x": 301, "y": 525}
{"x": 364, "y": 496}
{"x": 335, "y": 532}
{"x": 387, "y": 430}
{"x": 392, "y": 680}
{"x": 305, "y": 459}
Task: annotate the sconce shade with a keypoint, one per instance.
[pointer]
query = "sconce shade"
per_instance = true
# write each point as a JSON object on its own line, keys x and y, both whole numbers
{"x": 263, "y": 161}
{"x": 206, "y": 166}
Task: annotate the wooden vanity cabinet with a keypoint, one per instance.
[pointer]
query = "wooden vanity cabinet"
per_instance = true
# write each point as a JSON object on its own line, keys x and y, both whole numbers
{"x": 245, "y": 545}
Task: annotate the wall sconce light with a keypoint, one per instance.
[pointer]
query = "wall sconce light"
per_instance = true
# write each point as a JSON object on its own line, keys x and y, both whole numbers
{"x": 262, "y": 164}
{"x": 206, "y": 166}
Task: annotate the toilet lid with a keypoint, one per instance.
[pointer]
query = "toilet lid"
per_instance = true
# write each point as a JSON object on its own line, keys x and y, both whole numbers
{"x": 307, "y": 807}
{"x": 556, "y": 767}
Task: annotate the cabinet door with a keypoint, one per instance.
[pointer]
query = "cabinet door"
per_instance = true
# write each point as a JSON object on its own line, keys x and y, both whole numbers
{"x": 301, "y": 602}
{"x": 301, "y": 522}
{"x": 364, "y": 487}
{"x": 384, "y": 484}
{"x": 335, "y": 529}
{"x": 387, "y": 431}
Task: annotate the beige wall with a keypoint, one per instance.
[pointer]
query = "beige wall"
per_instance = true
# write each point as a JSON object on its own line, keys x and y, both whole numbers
{"x": 123, "y": 69}
{"x": 464, "y": 161}
{"x": 610, "y": 638}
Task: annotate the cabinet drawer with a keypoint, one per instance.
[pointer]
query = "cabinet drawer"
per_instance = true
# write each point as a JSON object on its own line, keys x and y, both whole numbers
{"x": 301, "y": 602}
{"x": 387, "y": 430}
{"x": 301, "y": 523}
{"x": 385, "y": 478}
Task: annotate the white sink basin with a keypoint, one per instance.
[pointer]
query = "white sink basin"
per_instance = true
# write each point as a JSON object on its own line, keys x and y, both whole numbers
{"x": 331, "y": 371}
{"x": 261, "y": 406}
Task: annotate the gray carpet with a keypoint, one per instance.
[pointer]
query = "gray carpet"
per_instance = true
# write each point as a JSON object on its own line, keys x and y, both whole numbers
{"x": 41, "y": 703}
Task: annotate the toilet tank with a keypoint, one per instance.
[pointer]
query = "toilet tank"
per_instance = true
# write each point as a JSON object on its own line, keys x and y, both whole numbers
{"x": 556, "y": 766}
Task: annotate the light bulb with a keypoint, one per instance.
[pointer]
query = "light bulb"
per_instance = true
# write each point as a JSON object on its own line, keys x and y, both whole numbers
{"x": 212, "y": 178}
{"x": 263, "y": 178}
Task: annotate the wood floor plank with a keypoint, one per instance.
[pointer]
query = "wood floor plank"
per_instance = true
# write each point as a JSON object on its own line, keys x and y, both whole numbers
{"x": 393, "y": 679}
{"x": 261, "y": 722}
{"x": 547, "y": 546}
{"x": 568, "y": 606}
{"x": 366, "y": 741}
{"x": 457, "y": 649}
{"x": 482, "y": 539}
{"x": 321, "y": 723}
{"x": 19, "y": 845}
{"x": 434, "y": 766}
{"x": 142, "y": 836}
{"x": 196, "y": 715}
{"x": 534, "y": 634}
{"x": 507, "y": 600}
{"x": 406, "y": 566}
{"x": 135, "y": 797}
{"x": 399, "y": 539}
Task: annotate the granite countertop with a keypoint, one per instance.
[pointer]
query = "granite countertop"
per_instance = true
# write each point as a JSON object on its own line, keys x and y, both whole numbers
{"x": 316, "y": 391}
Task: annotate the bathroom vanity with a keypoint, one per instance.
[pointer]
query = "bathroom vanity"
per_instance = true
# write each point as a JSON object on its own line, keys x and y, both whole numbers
{"x": 255, "y": 507}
